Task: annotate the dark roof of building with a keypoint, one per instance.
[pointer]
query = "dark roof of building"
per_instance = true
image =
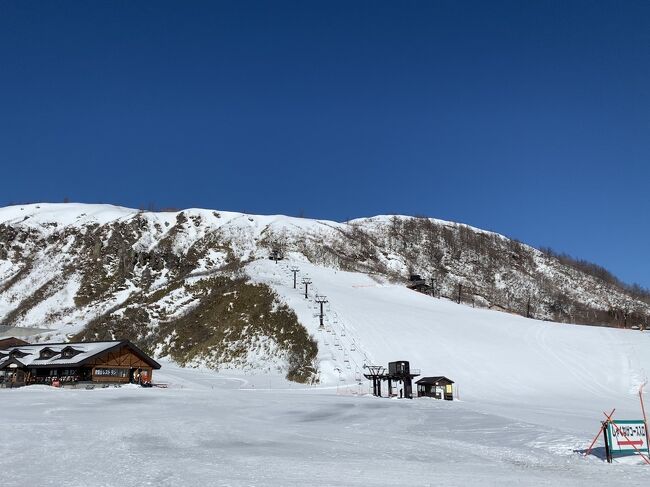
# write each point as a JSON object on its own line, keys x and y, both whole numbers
{"x": 440, "y": 380}
{"x": 418, "y": 285}
{"x": 11, "y": 342}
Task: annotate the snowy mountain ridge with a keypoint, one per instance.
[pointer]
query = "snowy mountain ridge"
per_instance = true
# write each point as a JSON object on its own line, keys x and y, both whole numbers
{"x": 191, "y": 285}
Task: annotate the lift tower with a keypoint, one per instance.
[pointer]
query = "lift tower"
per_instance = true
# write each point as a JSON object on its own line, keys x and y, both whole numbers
{"x": 321, "y": 300}
{"x": 306, "y": 281}
{"x": 295, "y": 271}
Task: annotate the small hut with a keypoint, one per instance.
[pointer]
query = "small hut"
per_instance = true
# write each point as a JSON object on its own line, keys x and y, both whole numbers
{"x": 438, "y": 387}
{"x": 416, "y": 283}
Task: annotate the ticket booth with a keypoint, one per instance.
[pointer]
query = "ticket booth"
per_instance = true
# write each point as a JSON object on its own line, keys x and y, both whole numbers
{"x": 437, "y": 387}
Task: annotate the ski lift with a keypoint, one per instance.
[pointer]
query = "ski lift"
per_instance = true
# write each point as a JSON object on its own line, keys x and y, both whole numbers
{"x": 353, "y": 347}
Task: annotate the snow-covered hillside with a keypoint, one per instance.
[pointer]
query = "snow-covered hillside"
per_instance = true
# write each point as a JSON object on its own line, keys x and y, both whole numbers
{"x": 170, "y": 279}
{"x": 494, "y": 356}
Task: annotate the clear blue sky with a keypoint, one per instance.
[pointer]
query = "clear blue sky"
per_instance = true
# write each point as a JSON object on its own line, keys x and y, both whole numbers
{"x": 527, "y": 118}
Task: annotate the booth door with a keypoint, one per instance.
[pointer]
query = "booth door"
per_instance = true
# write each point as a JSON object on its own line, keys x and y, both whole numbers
{"x": 19, "y": 378}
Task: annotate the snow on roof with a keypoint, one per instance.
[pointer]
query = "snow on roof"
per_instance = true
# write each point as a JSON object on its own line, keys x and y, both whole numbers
{"x": 434, "y": 380}
{"x": 33, "y": 353}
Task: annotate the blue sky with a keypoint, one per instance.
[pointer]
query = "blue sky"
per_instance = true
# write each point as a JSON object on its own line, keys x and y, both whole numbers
{"x": 531, "y": 119}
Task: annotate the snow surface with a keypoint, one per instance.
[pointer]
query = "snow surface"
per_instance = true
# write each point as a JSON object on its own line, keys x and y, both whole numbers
{"x": 531, "y": 393}
{"x": 208, "y": 429}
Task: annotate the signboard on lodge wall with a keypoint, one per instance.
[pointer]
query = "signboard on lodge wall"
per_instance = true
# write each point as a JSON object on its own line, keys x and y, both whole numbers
{"x": 626, "y": 437}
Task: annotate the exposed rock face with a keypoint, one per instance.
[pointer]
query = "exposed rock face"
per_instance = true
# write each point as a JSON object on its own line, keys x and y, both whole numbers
{"x": 174, "y": 282}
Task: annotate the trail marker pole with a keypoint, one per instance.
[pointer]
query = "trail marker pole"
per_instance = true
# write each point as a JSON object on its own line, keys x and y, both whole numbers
{"x": 608, "y": 447}
{"x": 602, "y": 429}
{"x": 295, "y": 271}
{"x": 645, "y": 420}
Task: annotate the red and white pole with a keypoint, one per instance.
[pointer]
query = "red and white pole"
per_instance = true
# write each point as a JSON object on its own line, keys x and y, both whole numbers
{"x": 645, "y": 420}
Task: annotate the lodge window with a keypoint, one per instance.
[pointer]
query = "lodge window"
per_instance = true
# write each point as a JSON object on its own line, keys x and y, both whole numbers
{"x": 69, "y": 352}
{"x": 46, "y": 354}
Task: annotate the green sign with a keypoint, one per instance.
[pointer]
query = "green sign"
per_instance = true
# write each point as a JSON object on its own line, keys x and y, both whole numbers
{"x": 627, "y": 437}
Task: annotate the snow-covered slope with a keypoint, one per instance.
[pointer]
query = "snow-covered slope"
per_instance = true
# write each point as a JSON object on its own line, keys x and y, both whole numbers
{"x": 493, "y": 356}
{"x": 170, "y": 279}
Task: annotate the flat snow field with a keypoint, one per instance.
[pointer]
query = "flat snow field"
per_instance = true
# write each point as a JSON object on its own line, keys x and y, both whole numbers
{"x": 207, "y": 429}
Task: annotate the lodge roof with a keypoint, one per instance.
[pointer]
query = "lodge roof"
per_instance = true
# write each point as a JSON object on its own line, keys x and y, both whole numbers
{"x": 11, "y": 342}
{"x": 31, "y": 355}
{"x": 434, "y": 380}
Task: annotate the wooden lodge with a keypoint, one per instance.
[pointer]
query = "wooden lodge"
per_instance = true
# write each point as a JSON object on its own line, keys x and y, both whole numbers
{"x": 437, "y": 387}
{"x": 117, "y": 362}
